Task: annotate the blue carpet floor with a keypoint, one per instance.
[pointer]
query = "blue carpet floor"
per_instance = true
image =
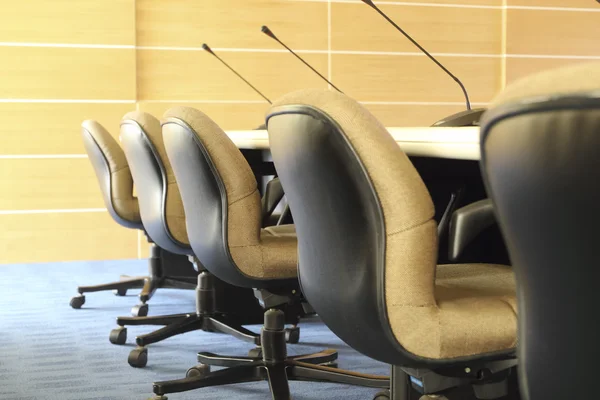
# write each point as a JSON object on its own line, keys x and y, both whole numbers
{"x": 50, "y": 351}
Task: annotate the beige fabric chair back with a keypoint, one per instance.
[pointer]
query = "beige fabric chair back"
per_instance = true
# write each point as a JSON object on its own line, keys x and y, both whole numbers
{"x": 112, "y": 170}
{"x": 408, "y": 211}
{"x": 366, "y": 232}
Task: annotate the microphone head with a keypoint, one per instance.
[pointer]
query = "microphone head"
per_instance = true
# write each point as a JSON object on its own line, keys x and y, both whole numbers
{"x": 205, "y": 47}
{"x": 265, "y": 29}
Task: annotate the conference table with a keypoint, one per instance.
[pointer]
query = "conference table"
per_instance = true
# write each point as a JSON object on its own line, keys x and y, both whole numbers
{"x": 460, "y": 143}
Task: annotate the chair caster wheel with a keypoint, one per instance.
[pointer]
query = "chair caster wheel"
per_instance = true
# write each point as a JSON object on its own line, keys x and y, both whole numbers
{"x": 159, "y": 398}
{"x": 138, "y": 358}
{"x": 383, "y": 395}
{"x": 77, "y": 301}
{"x": 292, "y": 335}
{"x": 120, "y": 292}
{"x": 141, "y": 310}
{"x": 255, "y": 353}
{"x": 118, "y": 335}
{"x": 198, "y": 371}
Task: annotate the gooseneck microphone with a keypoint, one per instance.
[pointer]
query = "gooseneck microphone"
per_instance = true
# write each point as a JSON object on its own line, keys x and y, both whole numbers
{"x": 432, "y": 58}
{"x": 207, "y": 48}
{"x": 270, "y": 34}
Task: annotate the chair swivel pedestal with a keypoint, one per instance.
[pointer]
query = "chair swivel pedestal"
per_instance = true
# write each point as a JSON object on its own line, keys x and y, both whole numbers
{"x": 208, "y": 317}
{"x": 156, "y": 279}
{"x": 273, "y": 365}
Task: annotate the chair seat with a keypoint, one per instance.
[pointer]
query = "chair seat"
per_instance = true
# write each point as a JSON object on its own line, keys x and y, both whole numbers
{"x": 475, "y": 313}
{"x": 275, "y": 256}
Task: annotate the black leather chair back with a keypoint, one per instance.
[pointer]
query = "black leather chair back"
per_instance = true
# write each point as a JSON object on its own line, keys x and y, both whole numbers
{"x": 196, "y": 146}
{"x": 151, "y": 179}
{"x": 541, "y": 163}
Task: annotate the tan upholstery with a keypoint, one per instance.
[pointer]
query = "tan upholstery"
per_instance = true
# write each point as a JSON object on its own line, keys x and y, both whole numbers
{"x": 174, "y": 213}
{"x": 554, "y": 82}
{"x": 121, "y": 188}
{"x": 259, "y": 253}
{"x": 461, "y": 312}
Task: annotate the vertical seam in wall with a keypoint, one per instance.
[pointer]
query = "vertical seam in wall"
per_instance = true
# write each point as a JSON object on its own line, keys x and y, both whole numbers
{"x": 139, "y": 244}
{"x": 503, "y": 44}
{"x": 329, "y": 68}
{"x": 135, "y": 8}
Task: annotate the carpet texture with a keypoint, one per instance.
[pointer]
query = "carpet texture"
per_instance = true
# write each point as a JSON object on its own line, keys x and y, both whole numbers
{"x": 50, "y": 351}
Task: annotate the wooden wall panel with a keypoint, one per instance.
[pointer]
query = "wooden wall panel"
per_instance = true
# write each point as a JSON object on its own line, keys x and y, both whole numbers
{"x": 68, "y": 21}
{"x": 588, "y": 4}
{"x": 236, "y": 116}
{"x": 415, "y": 79}
{"x": 196, "y": 75}
{"x": 437, "y": 29}
{"x": 84, "y": 51}
{"x": 47, "y": 128}
{"x": 460, "y": 3}
{"x": 42, "y": 184}
{"x": 67, "y": 73}
{"x": 28, "y": 238}
{"x": 231, "y": 23}
{"x": 551, "y": 32}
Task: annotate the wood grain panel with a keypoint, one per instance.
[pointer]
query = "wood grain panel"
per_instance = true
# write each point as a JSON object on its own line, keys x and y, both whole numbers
{"x": 238, "y": 116}
{"x": 552, "y": 32}
{"x": 48, "y": 128}
{"x": 458, "y": 3}
{"x": 68, "y": 21}
{"x": 64, "y": 237}
{"x": 41, "y": 184}
{"x": 555, "y": 3}
{"x": 67, "y": 73}
{"x": 404, "y": 78}
{"x": 411, "y": 115}
{"x": 196, "y": 75}
{"x": 232, "y": 23}
{"x": 438, "y": 29}
{"x": 520, "y": 67}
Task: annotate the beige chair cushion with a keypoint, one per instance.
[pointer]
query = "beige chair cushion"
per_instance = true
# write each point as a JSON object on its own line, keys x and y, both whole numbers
{"x": 258, "y": 253}
{"x": 121, "y": 189}
{"x": 475, "y": 313}
{"x": 423, "y": 324}
{"x": 575, "y": 78}
{"x": 174, "y": 213}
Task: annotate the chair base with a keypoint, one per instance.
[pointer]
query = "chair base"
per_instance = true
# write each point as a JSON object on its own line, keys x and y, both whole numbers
{"x": 271, "y": 364}
{"x": 176, "y": 325}
{"x": 209, "y": 317}
{"x": 156, "y": 279}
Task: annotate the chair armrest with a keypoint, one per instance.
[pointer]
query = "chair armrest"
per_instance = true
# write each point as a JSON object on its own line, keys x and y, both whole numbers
{"x": 271, "y": 198}
{"x": 468, "y": 222}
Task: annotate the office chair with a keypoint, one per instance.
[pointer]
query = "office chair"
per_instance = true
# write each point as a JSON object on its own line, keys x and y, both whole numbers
{"x": 219, "y": 307}
{"x": 540, "y": 157}
{"x": 116, "y": 185}
{"x": 222, "y": 206}
{"x": 367, "y": 244}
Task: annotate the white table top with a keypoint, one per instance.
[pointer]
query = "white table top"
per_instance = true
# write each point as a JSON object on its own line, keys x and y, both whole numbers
{"x": 457, "y": 143}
